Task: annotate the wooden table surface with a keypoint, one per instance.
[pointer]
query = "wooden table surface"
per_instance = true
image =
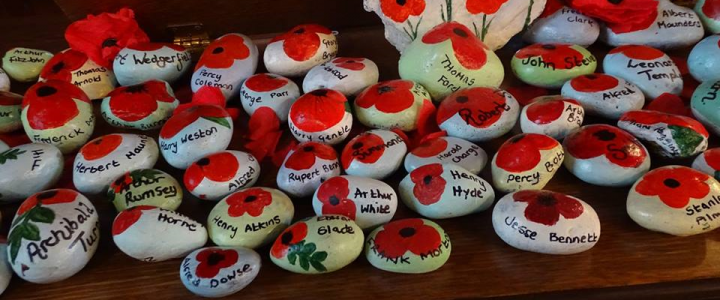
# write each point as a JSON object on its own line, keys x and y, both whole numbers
{"x": 627, "y": 262}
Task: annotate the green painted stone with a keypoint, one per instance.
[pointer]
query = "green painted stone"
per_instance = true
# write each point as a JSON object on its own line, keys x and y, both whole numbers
{"x": 408, "y": 246}
{"x": 551, "y": 65}
{"x": 10, "y": 111}
{"x": 24, "y": 64}
{"x": 705, "y": 104}
{"x": 145, "y": 187}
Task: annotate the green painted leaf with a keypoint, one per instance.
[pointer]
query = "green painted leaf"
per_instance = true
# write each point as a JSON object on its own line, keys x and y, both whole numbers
{"x": 42, "y": 214}
{"x": 318, "y": 266}
{"x": 10, "y": 154}
{"x": 220, "y": 121}
{"x": 14, "y": 249}
{"x": 717, "y": 175}
{"x": 319, "y": 256}
{"x": 686, "y": 138}
{"x": 31, "y": 232}
{"x": 292, "y": 257}
{"x": 304, "y": 263}
{"x": 309, "y": 248}
{"x": 111, "y": 195}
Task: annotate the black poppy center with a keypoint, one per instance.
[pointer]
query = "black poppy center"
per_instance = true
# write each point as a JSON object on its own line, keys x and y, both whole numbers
{"x": 461, "y": 99}
{"x": 401, "y": 2}
{"x": 384, "y": 89}
{"x": 45, "y": 91}
{"x": 357, "y": 145}
{"x": 97, "y": 142}
{"x": 110, "y": 42}
{"x": 299, "y": 31}
{"x": 319, "y": 93}
{"x": 516, "y": 139}
{"x": 203, "y": 162}
{"x": 218, "y": 50}
{"x": 350, "y": 62}
{"x": 308, "y": 148}
{"x": 546, "y": 200}
{"x": 671, "y": 183}
{"x": 591, "y": 76}
{"x": 427, "y": 179}
{"x": 615, "y": 1}
{"x": 604, "y": 135}
{"x": 215, "y": 258}
{"x": 334, "y": 200}
{"x": 549, "y": 47}
{"x": 134, "y": 89}
{"x": 58, "y": 67}
{"x": 459, "y": 32}
{"x": 250, "y": 198}
{"x": 407, "y": 232}
{"x": 46, "y": 195}
{"x": 286, "y": 238}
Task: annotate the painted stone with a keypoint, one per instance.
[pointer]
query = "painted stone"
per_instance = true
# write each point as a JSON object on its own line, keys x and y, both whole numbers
{"x": 478, "y": 114}
{"x": 145, "y": 187}
{"x": 153, "y": 234}
{"x": 28, "y": 169}
{"x": 348, "y": 75}
{"x": 526, "y": 162}
{"x": 375, "y": 153}
{"x": 410, "y": 246}
{"x": 705, "y": 105}
{"x": 225, "y": 64}
{"x": 6, "y": 272}
{"x": 667, "y": 135}
{"x": 392, "y": 104}
{"x": 446, "y": 149}
{"x": 546, "y": 222}
{"x": 320, "y": 244}
{"x": 649, "y": 69}
{"x": 674, "y": 27}
{"x": 4, "y": 83}
{"x": 144, "y": 106}
{"x": 369, "y": 202}
{"x": 24, "y": 64}
{"x": 322, "y": 116}
{"x": 443, "y": 191}
{"x": 250, "y": 218}
{"x": 554, "y": 116}
{"x": 269, "y": 90}
{"x": 298, "y": 50}
{"x": 219, "y": 174}
{"x": 559, "y": 24}
{"x": 3, "y": 146}
{"x": 57, "y": 113}
{"x": 605, "y": 155}
{"x": 450, "y": 57}
{"x": 604, "y": 95}
{"x": 10, "y": 112}
{"x": 551, "y": 65}
{"x": 305, "y": 167}
{"x": 219, "y": 271}
{"x": 193, "y": 133}
{"x": 151, "y": 61}
{"x": 53, "y": 236}
{"x": 103, "y": 160}
{"x": 704, "y": 59}
{"x": 708, "y": 12}
{"x": 75, "y": 67}
{"x": 676, "y": 200}
{"x": 708, "y": 162}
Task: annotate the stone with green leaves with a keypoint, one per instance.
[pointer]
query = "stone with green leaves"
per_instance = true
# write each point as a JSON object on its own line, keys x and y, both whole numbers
{"x": 28, "y": 169}
{"x": 145, "y": 187}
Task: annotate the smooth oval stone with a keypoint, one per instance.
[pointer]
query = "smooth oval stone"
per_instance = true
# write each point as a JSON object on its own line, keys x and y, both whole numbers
{"x": 526, "y": 162}
{"x": 369, "y": 202}
{"x": 6, "y": 272}
{"x": 4, "y": 82}
{"x": 269, "y": 90}
{"x": 24, "y": 64}
{"x": 194, "y": 133}
{"x": 28, "y": 169}
{"x": 145, "y": 187}
{"x": 76, "y": 68}
{"x": 305, "y": 167}
{"x": 392, "y": 104}
{"x": 707, "y": 11}
{"x": 705, "y": 105}
{"x": 704, "y": 59}
{"x": 151, "y": 61}
{"x": 296, "y": 51}
{"x": 250, "y": 218}
{"x": 322, "y": 116}
{"x": 220, "y": 174}
{"x": 144, "y": 106}
{"x": 478, "y": 114}
{"x": 103, "y": 160}
{"x": 375, "y": 153}
{"x": 446, "y": 149}
{"x": 219, "y": 271}
{"x": 649, "y": 69}
{"x": 605, "y": 155}
{"x": 667, "y": 135}
{"x": 54, "y": 235}
{"x": 554, "y": 116}
{"x": 316, "y": 245}
{"x": 546, "y": 222}
{"x": 58, "y": 113}
{"x": 604, "y": 95}
{"x": 676, "y": 200}
{"x": 559, "y": 24}
{"x": 225, "y": 63}
{"x": 10, "y": 112}
{"x": 551, "y": 65}
{"x": 153, "y": 234}
{"x": 708, "y": 162}
{"x": 348, "y": 75}
{"x": 450, "y": 57}
{"x": 410, "y": 246}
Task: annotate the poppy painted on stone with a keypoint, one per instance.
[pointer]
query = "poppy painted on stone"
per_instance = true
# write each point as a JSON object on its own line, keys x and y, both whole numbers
{"x": 546, "y": 207}
{"x": 408, "y": 235}
{"x": 251, "y": 201}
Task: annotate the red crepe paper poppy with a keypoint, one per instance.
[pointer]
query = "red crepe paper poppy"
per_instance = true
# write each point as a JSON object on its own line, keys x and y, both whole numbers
{"x": 551, "y": 7}
{"x": 674, "y": 186}
{"x": 389, "y": 97}
{"x": 223, "y": 52}
{"x": 593, "y": 83}
{"x": 333, "y": 194}
{"x": 101, "y": 37}
{"x": 618, "y": 146}
{"x": 355, "y": 64}
{"x": 263, "y": 133}
{"x": 302, "y": 41}
{"x": 61, "y": 66}
{"x": 251, "y": 201}
{"x": 265, "y": 82}
{"x": 545, "y": 207}
{"x": 429, "y": 184}
{"x": 638, "y": 52}
{"x": 430, "y": 148}
{"x": 522, "y": 152}
{"x": 526, "y": 93}
{"x": 101, "y": 147}
{"x": 155, "y": 46}
{"x": 487, "y": 7}
{"x": 218, "y": 167}
{"x": 547, "y": 111}
{"x": 136, "y": 102}
{"x": 398, "y": 237}
{"x": 212, "y": 260}
{"x": 711, "y": 9}
{"x": 291, "y": 236}
{"x": 620, "y": 16}
{"x": 128, "y": 217}
{"x": 366, "y": 148}
{"x": 712, "y": 158}
{"x": 469, "y": 102}
{"x": 552, "y": 54}
{"x": 306, "y": 154}
{"x": 318, "y": 110}
{"x": 650, "y": 117}
{"x": 180, "y": 120}
{"x": 468, "y": 48}
{"x": 51, "y": 104}
{"x": 400, "y": 10}
{"x": 47, "y": 198}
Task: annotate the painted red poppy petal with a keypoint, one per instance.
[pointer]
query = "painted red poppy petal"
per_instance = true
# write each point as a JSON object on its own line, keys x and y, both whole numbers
{"x": 430, "y": 148}
{"x": 101, "y": 147}
{"x": 265, "y": 82}
{"x": 336, "y": 186}
{"x": 538, "y": 213}
{"x": 568, "y": 207}
{"x": 592, "y": 83}
{"x": 300, "y": 160}
{"x": 545, "y": 112}
{"x": 425, "y": 240}
{"x": 301, "y": 47}
{"x": 132, "y": 107}
{"x": 638, "y": 52}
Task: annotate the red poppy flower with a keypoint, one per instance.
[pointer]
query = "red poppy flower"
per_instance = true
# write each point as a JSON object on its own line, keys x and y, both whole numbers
{"x": 121, "y": 183}
{"x": 487, "y": 7}
{"x": 592, "y": 83}
{"x": 128, "y": 217}
{"x": 61, "y": 66}
{"x": 180, "y": 120}
{"x": 218, "y": 167}
{"x": 619, "y": 16}
{"x": 223, "y": 52}
{"x": 101, "y": 147}
{"x": 302, "y": 41}
{"x": 47, "y": 198}
{"x": 212, "y": 260}
{"x": 400, "y": 10}
{"x": 711, "y": 9}
{"x": 101, "y": 37}
{"x": 50, "y": 104}
{"x": 136, "y": 102}
{"x": 318, "y": 110}
{"x": 468, "y": 48}
{"x": 155, "y": 46}
{"x": 555, "y": 54}
{"x": 265, "y": 82}
{"x": 674, "y": 185}
{"x": 291, "y": 236}
{"x": 653, "y": 117}
{"x": 333, "y": 194}
{"x": 551, "y": 6}
{"x": 389, "y": 96}
{"x": 638, "y": 52}
{"x": 366, "y": 148}
{"x": 522, "y": 152}
{"x": 398, "y": 237}
{"x": 545, "y": 207}
{"x": 429, "y": 184}
{"x": 251, "y": 201}
{"x": 355, "y": 64}
{"x": 547, "y": 111}
{"x": 469, "y": 102}
{"x": 712, "y": 158}
{"x": 430, "y": 148}
{"x": 305, "y": 154}
{"x": 618, "y": 146}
